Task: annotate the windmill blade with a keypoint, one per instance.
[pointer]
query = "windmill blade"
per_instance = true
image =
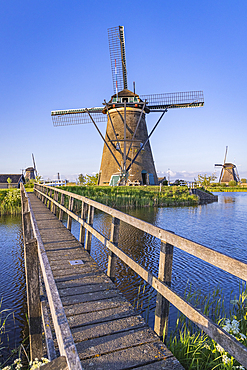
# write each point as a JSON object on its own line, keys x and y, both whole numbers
{"x": 118, "y": 58}
{"x": 34, "y": 165}
{"x": 218, "y": 165}
{"x": 77, "y": 116}
{"x": 187, "y": 99}
{"x": 225, "y": 154}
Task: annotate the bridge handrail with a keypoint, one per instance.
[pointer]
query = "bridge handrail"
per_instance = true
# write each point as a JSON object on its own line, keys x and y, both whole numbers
{"x": 228, "y": 264}
{"x": 64, "y": 337}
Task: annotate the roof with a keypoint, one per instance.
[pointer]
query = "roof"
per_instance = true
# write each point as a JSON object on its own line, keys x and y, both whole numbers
{"x": 30, "y": 169}
{"x": 125, "y": 93}
{"x": 16, "y": 178}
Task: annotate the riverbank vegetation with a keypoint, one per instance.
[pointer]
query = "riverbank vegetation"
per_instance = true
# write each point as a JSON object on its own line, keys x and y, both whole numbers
{"x": 197, "y": 351}
{"x": 141, "y": 196}
{"x": 10, "y": 201}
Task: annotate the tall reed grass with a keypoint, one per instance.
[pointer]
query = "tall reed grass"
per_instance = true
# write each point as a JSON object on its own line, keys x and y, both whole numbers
{"x": 125, "y": 196}
{"x": 10, "y": 201}
{"x": 197, "y": 351}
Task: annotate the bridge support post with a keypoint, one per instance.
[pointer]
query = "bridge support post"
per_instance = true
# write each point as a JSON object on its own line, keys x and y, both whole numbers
{"x": 162, "y": 304}
{"x": 61, "y": 211}
{"x": 88, "y": 238}
{"x": 32, "y": 282}
{"x": 46, "y": 201}
{"x": 84, "y": 208}
{"x": 50, "y": 202}
{"x": 69, "y": 220}
{"x": 111, "y": 269}
{"x": 55, "y": 197}
{"x": 33, "y": 298}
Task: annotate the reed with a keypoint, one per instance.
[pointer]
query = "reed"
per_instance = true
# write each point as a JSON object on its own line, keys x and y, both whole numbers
{"x": 196, "y": 350}
{"x": 10, "y": 202}
{"x": 133, "y": 197}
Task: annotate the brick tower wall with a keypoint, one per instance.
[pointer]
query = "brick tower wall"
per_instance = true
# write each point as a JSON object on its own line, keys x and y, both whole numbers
{"x": 144, "y": 161}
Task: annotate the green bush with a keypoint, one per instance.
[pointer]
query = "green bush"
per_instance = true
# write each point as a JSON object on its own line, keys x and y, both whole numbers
{"x": 232, "y": 183}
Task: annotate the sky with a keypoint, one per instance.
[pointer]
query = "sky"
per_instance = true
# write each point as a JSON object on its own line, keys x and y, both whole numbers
{"x": 55, "y": 55}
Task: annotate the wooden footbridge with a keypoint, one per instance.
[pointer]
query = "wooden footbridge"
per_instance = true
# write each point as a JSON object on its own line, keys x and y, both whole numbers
{"x": 76, "y": 314}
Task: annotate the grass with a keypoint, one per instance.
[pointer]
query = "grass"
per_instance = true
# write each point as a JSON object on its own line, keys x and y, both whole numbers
{"x": 197, "y": 351}
{"x": 141, "y": 196}
{"x": 10, "y": 201}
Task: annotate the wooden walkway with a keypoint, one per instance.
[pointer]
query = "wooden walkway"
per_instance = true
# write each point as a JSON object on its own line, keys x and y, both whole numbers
{"x": 107, "y": 331}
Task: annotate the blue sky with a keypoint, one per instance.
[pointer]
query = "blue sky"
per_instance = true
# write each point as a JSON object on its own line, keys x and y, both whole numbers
{"x": 55, "y": 55}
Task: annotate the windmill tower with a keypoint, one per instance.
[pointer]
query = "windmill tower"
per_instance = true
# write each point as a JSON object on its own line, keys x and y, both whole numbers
{"x": 228, "y": 172}
{"x": 127, "y": 155}
{"x": 31, "y": 172}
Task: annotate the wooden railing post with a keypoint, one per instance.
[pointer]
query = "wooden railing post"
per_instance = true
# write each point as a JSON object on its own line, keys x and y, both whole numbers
{"x": 84, "y": 208}
{"x": 42, "y": 196}
{"x": 55, "y": 197}
{"x": 50, "y": 202}
{"x": 46, "y": 200}
{"x": 111, "y": 269}
{"x": 32, "y": 282}
{"x": 61, "y": 211}
{"x": 162, "y": 304}
{"x": 88, "y": 238}
{"x": 69, "y": 220}
{"x": 33, "y": 298}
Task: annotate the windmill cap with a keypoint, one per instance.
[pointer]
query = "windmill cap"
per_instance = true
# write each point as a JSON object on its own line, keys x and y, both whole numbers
{"x": 125, "y": 93}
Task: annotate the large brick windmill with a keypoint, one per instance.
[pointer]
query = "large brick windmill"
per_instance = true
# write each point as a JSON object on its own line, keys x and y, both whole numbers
{"x": 127, "y": 157}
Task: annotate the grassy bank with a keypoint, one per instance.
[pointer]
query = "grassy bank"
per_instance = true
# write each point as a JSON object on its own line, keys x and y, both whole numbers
{"x": 197, "y": 351}
{"x": 226, "y": 188}
{"x": 10, "y": 201}
{"x": 141, "y": 196}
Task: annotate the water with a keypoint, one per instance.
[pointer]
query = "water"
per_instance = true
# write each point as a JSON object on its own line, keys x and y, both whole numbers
{"x": 221, "y": 226}
{"x": 12, "y": 284}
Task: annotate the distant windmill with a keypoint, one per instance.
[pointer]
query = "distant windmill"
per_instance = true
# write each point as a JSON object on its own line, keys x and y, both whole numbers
{"x": 127, "y": 152}
{"x": 228, "y": 172}
{"x": 31, "y": 172}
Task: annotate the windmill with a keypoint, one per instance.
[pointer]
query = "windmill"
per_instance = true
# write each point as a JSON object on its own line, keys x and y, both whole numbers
{"x": 127, "y": 157}
{"x": 31, "y": 172}
{"x": 228, "y": 172}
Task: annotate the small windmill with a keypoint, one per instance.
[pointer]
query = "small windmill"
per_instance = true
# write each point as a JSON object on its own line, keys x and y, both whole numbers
{"x": 127, "y": 152}
{"x": 228, "y": 172}
{"x": 31, "y": 172}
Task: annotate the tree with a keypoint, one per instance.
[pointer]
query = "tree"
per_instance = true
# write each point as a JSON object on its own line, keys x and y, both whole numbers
{"x": 204, "y": 180}
{"x": 243, "y": 181}
{"x": 9, "y": 181}
{"x": 81, "y": 179}
{"x": 92, "y": 179}
{"x": 232, "y": 183}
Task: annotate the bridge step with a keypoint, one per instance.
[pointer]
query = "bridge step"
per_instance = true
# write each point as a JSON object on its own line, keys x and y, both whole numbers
{"x": 107, "y": 331}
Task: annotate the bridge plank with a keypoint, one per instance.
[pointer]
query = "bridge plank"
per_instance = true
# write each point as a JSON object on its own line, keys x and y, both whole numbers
{"x": 108, "y": 333}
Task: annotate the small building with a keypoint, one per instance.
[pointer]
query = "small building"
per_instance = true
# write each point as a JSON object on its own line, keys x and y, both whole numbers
{"x": 16, "y": 180}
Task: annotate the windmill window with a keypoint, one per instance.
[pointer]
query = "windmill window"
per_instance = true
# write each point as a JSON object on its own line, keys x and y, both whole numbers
{"x": 141, "y": 146}
{"x": 135, "y": 98}
{"x": 125, "y": 99}
{"x": 117, "y": 146}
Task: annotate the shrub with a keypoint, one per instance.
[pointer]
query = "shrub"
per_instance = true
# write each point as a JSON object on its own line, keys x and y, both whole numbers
{"x": 232, "y": 183}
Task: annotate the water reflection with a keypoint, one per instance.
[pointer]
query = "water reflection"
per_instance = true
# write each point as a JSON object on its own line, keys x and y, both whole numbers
{"x": 220, "y": 226}
{"x": 12, "y": 284}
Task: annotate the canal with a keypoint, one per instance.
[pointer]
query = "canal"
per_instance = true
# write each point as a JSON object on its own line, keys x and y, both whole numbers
{"x": 221, "y": 226}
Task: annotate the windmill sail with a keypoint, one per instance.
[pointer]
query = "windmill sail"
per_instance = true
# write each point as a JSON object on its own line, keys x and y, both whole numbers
{"x": 77, "y": 116}
{"x": 118, "y": 58}
{"x": 174, "y": 100}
